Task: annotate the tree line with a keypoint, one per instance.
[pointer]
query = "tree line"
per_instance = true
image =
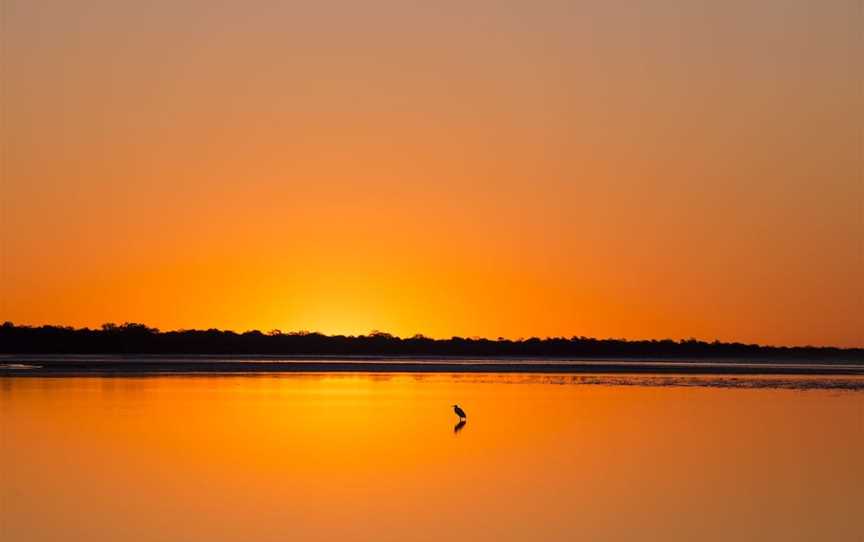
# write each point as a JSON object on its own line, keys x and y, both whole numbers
{"x": 134, "y": 338}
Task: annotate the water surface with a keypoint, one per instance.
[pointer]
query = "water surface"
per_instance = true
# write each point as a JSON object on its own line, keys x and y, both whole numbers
{"x": 379, "y": 457}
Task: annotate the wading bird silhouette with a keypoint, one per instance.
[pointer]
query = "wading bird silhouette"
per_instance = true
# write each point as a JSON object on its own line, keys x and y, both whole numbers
{"x": 459, "y": 412}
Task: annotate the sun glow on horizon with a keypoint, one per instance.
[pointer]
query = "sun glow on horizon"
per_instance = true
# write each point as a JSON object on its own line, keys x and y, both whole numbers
{"x": 548, "y": 169}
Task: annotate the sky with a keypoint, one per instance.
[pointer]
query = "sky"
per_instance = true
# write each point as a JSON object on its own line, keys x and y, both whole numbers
{"x": 476, "y": 168}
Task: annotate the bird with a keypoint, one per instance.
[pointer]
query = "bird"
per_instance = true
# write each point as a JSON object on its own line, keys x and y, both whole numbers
{"x": 459, "y": 412}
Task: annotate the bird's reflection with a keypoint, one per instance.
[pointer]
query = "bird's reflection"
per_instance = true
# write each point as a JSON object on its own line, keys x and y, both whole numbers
{"x": 458, "y": 427}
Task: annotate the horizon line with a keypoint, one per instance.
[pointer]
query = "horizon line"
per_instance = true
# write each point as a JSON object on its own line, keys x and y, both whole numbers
{"x": 276, "y": 332}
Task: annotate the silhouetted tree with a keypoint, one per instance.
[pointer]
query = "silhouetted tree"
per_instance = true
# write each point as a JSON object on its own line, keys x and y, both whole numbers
{"x": 135, "y": 338}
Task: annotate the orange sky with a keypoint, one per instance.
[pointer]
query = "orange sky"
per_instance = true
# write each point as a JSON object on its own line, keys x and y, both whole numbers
{"x": 475, "y": 168}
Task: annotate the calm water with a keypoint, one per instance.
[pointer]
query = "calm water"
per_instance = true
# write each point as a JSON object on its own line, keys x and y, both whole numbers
{"x": 377, "y": 457}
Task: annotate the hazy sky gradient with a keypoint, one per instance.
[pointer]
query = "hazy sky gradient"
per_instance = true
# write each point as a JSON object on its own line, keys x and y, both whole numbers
{"x": 651, "y": 169}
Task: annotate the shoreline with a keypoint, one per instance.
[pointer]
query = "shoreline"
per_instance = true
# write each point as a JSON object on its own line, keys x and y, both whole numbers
{"x": 56, "y": 365}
